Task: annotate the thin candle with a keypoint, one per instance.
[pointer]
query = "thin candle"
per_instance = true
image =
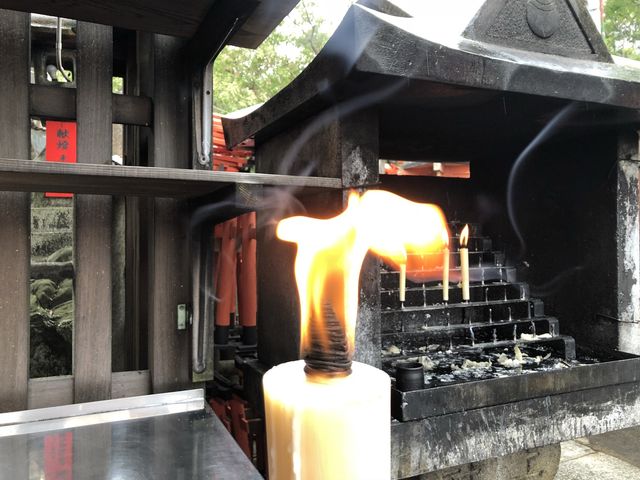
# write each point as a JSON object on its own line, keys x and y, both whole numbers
{"x": 403, "y": 284}
{"x": 464, "y": 262}
{"x": 445, "y": 267}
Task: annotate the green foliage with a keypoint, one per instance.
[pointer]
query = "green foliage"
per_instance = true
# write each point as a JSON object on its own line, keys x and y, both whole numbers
{"x": 117, "y": 85}
{"x": 51, "y": 324}
{"x": 622, "y": 27}
{"x": 244, "y": 77}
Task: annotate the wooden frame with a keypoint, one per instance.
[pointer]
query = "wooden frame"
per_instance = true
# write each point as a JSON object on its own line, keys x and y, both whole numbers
{"x": 60, "y": 104}
{"x": 14, "y": 214}
{"x": 52, "y": 391}
{"x": 92, "y": 241}
{"x": 27, "y": 176}
{"x": 157, "y": 98}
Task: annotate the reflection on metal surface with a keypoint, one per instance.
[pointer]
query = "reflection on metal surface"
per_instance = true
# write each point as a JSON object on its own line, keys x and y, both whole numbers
{"x": 93, "y": 413}
{"x": 172, "y": 435}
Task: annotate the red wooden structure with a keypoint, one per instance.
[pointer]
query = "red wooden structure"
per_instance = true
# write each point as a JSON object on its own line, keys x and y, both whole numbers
{"x": 229, "y": 160}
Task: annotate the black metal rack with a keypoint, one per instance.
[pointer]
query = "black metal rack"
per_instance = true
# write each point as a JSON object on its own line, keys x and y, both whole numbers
{"x": 468, "y": 349}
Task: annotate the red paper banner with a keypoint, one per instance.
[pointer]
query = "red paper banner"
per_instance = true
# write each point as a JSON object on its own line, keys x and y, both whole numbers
{"x": 60, "y": 147}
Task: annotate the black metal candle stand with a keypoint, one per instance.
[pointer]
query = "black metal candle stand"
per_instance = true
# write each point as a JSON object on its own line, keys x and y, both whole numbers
{"x": 497, "y": 347}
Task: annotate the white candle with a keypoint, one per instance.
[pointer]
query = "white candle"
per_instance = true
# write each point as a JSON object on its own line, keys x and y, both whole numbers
{"x": 445, "y": 274}
{"x": 464, "y": 262}
{"x": 403, "y": 282}
{"x": 322, "y": 427}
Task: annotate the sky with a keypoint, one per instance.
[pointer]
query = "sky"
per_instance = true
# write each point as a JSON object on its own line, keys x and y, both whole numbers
{"x": 332, "y": 11}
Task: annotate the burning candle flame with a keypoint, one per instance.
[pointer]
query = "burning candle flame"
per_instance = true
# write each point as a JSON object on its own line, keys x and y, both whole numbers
{"x": 445, "y": 238}
{"x": 331, "y": 251}
{"x": 464, "y": 236}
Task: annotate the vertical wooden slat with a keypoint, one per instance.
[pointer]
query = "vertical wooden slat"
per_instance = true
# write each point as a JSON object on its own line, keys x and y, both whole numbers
{"x": 145, "y": 76}
{"x": 14, "y": 214}
{"x": 168, "y": 256}
{"x": 132, "y": 241}
{"x": 92, "y": 246}
{"x": 169, "y": 359}
{"x": 119, "y": 353}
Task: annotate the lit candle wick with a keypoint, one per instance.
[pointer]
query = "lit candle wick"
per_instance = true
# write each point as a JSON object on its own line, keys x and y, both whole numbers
{"x": 464, "y": 262}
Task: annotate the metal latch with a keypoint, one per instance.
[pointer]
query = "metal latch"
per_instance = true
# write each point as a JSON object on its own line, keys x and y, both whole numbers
{"x": 183, "y": 316}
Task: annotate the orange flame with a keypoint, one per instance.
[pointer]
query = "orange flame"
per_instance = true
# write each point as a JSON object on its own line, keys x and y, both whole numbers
{"x": 445, "y": 238}
{"x": 331, "y": 251}
{"x": 464, "y": 236}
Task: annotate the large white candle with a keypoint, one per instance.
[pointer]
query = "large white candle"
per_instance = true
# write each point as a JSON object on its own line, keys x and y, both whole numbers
{"x": 321, "y": 428}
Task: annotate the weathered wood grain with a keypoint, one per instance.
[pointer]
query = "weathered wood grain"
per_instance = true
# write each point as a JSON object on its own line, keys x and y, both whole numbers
{"x": 59, "y": 103}
{"x": 180, "y": 19}
{"x": 135, "y": 357}
{"x": 161, "y": 16}
{"x": 169, "y": 355}
{"x": 55, "y": 391}
{"x": 14, "y": 214}
{"x": 50, "y": 391}
{"x": 92, "y": 245}
{"x": 130, "y": 384}
{"x": 21, "y": 175}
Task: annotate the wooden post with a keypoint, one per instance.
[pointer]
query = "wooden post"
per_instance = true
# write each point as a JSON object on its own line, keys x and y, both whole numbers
{"x": 92, "y": 245}
{"x": 168, "y": 269}
{"x": 133, "y": 291}
{"x": 165, "y": 260}
{"x": 14, "y": 214}
{"x": 345, "y": 148}
{"x": 357, "y": 164}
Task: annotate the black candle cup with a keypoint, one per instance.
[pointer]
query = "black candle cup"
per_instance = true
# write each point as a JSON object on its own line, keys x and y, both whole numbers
{"x": 409, "y": 376}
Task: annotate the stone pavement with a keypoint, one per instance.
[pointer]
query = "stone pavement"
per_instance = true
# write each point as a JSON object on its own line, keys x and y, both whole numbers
{"x": 611, "y": 456}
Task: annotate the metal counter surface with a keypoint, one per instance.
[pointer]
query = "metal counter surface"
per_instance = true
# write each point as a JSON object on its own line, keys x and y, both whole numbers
{"x": 152, "y": 440}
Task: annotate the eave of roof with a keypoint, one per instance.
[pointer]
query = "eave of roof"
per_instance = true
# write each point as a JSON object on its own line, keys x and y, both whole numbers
{"x": 388, "y": 49}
